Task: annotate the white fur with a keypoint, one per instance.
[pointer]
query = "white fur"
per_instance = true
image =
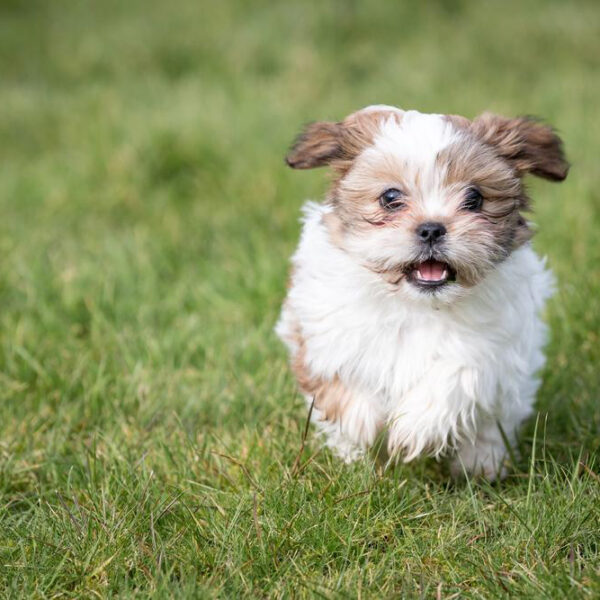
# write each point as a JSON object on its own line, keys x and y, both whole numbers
{"x": 432, "y": 374}
{"x": 415, "y": 142}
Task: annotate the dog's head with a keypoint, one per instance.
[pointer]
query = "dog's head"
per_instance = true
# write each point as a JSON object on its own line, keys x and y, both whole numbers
{"x": 431, "y": 202}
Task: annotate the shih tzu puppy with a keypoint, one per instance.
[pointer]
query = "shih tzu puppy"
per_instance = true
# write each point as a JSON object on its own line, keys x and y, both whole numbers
{"x": 413, "y": 311}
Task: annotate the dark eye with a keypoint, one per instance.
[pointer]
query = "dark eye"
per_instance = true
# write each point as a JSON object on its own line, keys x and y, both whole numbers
{"x": 473, "y": 199}
{"x": 391, "y": 199}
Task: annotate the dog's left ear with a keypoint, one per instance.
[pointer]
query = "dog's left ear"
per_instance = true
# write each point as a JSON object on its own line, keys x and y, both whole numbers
{"x": 529, "y": 145}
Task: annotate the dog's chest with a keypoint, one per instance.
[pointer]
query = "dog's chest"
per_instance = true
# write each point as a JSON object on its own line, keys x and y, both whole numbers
{"x": 391, "y": 353}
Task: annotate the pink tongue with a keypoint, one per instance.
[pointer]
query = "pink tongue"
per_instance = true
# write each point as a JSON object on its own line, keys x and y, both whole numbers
{"x": 431, "y": 270}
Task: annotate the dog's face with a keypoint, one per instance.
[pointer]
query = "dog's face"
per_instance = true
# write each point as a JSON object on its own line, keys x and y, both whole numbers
{"x": 430, "y": 202}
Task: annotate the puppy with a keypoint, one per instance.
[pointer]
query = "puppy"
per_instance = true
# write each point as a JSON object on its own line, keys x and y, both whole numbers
{"x": 413, "y": 311}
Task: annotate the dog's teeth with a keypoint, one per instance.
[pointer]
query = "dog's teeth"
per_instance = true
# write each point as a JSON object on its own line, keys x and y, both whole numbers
{"x": 445, "y": 274}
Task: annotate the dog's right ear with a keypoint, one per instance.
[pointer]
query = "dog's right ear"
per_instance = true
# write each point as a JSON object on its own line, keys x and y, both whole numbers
{"x": 317, "y": 145}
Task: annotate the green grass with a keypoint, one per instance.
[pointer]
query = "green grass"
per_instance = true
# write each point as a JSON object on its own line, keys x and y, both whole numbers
{"x": 148, "y": 422}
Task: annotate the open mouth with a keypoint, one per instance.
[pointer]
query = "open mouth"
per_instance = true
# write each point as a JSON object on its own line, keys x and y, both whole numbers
{"x": 431, "y": 274}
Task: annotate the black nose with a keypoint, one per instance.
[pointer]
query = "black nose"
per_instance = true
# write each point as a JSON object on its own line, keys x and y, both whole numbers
{"x": 430, "y": 232}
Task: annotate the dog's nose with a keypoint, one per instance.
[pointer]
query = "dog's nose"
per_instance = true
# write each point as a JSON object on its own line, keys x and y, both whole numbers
{"x": 430, "y": 232}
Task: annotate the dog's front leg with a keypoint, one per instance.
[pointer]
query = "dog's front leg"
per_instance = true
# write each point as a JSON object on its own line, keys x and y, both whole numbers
{"x": 350, "y": 418}
{"x": 431, "y": 417}
{"x": 487, "y": 454}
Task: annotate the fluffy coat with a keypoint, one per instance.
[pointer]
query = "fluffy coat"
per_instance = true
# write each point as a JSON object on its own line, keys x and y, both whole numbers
{"x": 448, "y": 369}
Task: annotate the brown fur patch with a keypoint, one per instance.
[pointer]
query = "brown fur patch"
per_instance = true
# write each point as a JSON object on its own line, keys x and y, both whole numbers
{"x": 337, "y": 144}
{"x": 316, "y": 146}
{"x": 367, "y": 182}
{"x": 470, "y": 163}
{"x": 290, "y": 279}
{"x": 331, "y": 397}
{"x": 530, "y": 146}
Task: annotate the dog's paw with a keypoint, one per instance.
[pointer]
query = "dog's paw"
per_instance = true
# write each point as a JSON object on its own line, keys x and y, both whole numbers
{"x": 478, "y": 460}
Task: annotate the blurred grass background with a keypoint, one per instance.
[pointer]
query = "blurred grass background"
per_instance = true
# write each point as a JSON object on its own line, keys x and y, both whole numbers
{"x": 148, "y": 422}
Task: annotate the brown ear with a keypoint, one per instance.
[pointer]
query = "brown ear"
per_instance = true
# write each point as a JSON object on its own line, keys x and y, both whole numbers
{"x": 316, "y": 146}
{"x": 529, "y": 145}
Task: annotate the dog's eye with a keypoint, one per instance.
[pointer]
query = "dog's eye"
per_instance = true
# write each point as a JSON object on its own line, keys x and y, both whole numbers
{"x": 391, "y": 199}
{"x": 473, "y": 199}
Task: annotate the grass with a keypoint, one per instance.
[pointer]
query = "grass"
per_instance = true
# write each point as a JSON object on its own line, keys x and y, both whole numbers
{"x": 149, "y": 425}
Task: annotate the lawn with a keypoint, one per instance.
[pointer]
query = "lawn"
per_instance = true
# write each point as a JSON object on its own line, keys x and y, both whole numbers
{"x": 150, "y": 432}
